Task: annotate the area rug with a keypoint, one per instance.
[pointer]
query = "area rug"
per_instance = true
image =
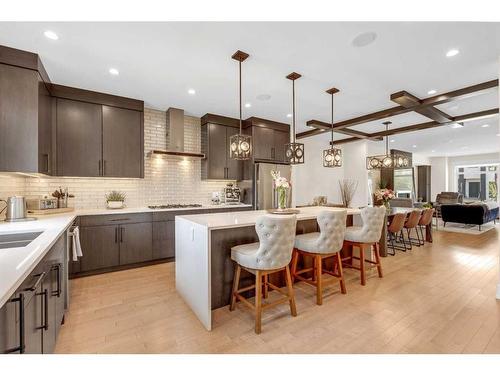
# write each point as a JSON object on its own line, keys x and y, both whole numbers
{"x": 468, "y": 229}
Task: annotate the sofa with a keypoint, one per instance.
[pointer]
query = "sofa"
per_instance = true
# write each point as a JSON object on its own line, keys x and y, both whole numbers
{"x": 472, "y": 214}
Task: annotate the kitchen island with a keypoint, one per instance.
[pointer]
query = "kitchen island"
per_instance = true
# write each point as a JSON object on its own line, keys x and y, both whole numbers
{"x": 203, "y": 268}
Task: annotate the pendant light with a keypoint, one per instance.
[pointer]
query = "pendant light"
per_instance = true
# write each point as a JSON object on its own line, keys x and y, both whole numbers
{"x": 396, "y": 160}
{"x": 332, "y": 157}
{"x": 240, "y": 145}
{"x": 294, "y": 152}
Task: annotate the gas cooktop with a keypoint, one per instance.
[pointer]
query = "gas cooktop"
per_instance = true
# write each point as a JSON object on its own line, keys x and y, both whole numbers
{"x": 174, "y": 205}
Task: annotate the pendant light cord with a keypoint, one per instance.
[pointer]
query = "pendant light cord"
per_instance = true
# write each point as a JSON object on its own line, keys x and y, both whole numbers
{"x": 293, "y": 111}
{"x": 240, "y": 98}
{"x": 387, "y": 140}
{"x": 332, "y": 123}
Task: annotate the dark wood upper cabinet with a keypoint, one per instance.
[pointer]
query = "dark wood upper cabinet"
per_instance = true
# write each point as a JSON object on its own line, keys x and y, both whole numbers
{"x": 280, "y": 140}
{"x": 20, "y": 122}
{"x": 79, "y": 138}
{"x": 217, "y": 164}
{"x": 122, "y": 139}
{"x": 263, "y": 143}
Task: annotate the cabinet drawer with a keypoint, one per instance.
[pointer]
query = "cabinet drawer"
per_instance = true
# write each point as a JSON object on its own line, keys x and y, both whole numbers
{"x": 115, "y": 219}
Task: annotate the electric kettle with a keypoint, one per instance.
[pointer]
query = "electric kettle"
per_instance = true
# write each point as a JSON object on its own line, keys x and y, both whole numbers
{"x": 16, "y": 209}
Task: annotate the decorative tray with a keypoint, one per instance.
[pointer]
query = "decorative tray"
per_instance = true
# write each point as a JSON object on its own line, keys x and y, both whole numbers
{"x": 286, "y": 211}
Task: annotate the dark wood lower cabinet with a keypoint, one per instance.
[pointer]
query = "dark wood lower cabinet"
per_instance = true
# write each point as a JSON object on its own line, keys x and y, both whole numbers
{"x": 100, "y": 247}
{"x": 136, "y": 243}
{"x": 9, "y": 327}
{"x": 164, "y": 239}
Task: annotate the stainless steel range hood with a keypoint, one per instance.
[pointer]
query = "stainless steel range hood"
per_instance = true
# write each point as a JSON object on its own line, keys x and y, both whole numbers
{"x": 175, "y": 132}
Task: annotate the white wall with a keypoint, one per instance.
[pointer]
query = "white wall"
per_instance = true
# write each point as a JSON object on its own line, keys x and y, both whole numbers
{"x": 439, "y": 175}
{"x": 311, "y": 179}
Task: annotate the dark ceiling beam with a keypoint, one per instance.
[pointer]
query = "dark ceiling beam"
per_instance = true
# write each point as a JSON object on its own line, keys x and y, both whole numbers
{"x": 379, "y": 115}
{"x": 408, "y": 100}
{"x": 427, "y": 125}
{"x": 464, "y": 93}
{"x": 324, "y": 126}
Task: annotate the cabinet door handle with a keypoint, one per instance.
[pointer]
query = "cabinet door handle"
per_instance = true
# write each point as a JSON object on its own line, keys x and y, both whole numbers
{"x": 58, "y": 292}
{"x": 21, "y": 346}
{"x": 116, "y": 234}
{"x": 37, "y": 282}
{"x": 45, "y": 300}
{"x": 100, "y": 174}
{"x": 104, "y": 167}
{"x": 122, "y": 230}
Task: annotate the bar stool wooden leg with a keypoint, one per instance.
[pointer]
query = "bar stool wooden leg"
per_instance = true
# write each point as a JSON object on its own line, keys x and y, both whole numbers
{"x": 377, "y": 258}
{"x": 266, "y": 287}
{"x": 319, "y": 284}
{"x": 362, "y": 264}
{"x": 258, "y": 301}
{"x": 340, "y": 272}
{"x": 295, "y": 259}
{"x": 236, "y": 283}
{"x": 291, "y": 295}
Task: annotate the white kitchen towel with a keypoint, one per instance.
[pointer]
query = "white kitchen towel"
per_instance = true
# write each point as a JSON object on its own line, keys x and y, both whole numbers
{"x": 77, "y": 249}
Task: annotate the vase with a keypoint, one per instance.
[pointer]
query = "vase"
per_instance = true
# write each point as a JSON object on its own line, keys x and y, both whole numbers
{"x": 115, "y": 204}
{"x": 282, "y": 199}
{"x": 387, "y": 205}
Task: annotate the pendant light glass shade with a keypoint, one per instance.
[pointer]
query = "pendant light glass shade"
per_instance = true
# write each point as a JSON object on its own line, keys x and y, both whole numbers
{"x": 332, "y": 158}
{"x": 394, "y": 161}
{"x": 240, "y": 145}
{"x": 294, "y": 151}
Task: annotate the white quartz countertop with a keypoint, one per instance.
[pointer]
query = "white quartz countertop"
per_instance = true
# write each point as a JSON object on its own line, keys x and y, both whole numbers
{"x": 132, "y": 210}
{"x": 17, "y": 263}
{"x": 248, "y": 218}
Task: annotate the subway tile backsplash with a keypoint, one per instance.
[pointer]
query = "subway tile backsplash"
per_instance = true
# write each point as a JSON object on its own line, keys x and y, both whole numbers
{"x": 167, "y": 179}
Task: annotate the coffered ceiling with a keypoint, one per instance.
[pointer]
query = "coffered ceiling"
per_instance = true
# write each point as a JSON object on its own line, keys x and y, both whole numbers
{"x": 160, "y": 62}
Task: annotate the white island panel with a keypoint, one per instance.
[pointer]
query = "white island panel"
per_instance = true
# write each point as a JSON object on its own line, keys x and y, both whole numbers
{"x": 192, "y": 267}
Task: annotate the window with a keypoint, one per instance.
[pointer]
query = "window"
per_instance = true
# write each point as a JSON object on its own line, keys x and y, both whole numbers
{"x": 478, "y": 182}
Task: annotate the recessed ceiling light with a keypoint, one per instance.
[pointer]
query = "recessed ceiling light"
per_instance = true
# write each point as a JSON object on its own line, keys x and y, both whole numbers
{"x": 485, "y": 125}
{"x": 51, "y": 35}
{"x": 457, "y": 125}
{"x": 248, "y": 105}
{"x": 289, "y": 115}
{"x": 114, "y": 71}
{"x": 392, "y": 140}
{"x": 263, "y": 97}
{"x": 191, "y": 91}
{"x": 433, "y": 150}
{"x": 364, "y": 39}
{"x": 414, "y": 146}
{"x": 498, "y": 135}
{"x": 452, "y": 52}
{"x": 431, "y": 92}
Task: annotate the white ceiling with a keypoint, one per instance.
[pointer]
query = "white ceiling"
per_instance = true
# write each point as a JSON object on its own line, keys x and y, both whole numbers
{"x": 159, "y": 62}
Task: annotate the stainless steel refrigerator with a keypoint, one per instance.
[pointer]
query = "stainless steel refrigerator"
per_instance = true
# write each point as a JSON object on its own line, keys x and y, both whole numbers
{"x": 265, "y": 195}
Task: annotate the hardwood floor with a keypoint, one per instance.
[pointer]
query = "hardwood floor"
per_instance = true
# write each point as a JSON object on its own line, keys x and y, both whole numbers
{"x": 435, "y": 299}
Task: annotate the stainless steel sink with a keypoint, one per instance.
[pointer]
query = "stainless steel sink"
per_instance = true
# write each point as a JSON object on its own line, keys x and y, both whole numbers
{"x": 23, "y": 239}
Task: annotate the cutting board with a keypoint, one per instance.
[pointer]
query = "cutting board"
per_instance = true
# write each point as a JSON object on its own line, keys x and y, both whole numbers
{"x": 51, "y": 211}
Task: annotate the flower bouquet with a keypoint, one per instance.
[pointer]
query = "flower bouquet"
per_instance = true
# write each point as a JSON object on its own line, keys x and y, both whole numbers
{"x": 384, "y": 196}
{"x": 282, "y": 186}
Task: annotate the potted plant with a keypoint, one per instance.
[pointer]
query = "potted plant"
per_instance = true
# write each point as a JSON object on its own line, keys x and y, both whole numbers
{"x": 115, "y": 199}
{"x": 385, "y": 196}
{"x": 282, "y": 186}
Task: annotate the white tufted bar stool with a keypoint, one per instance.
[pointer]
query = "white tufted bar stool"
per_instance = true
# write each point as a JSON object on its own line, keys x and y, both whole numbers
{"x": 366, "y": 238}
{"x": 271, "y": 254}
{"x": 320, "y": 245}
